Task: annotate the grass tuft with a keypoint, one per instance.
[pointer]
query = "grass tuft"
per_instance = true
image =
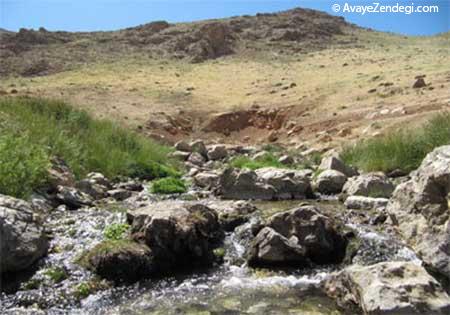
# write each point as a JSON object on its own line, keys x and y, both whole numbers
{"x": 116, "y": 231}
{"x": 33, "y": 130}
{"x": 267, "y": 160}
{"x": 403, "y": 150}
{"x": 169, "y": 185}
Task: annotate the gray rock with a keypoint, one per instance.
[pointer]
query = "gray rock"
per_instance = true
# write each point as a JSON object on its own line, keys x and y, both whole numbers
{"x": 73, "y": 198}
{"x": 270, "y": 248}
{"x": 335, "y": 163}
{"x": 90, "y": 187}
{"x": 183, "y": 146}
{"x": 330, "y": 182}
{"x": 232, "y": 213}
{"x": 119, "y": 194}
{"x": 22, "y": 237}
{"x": 207, "y": 179}
{"x": 375, "y": 185}
{"x": 288, "y": 184}
{"x": 286, "y": 160}
{"x": 196, "y": 159}
{"x": 217, "y": 152}
{"x": 365, "y": 203}
{"x": 420, "y": 209}
{"x": 199, "y": 147}
{"x": 180, "y": 234}
{"x": 264, "y": 184}
{"x": 243, "y": 184}
{"x": 99, "y": 179}
{"x": 389, "y": 288}
{"x": 297, "y": 238}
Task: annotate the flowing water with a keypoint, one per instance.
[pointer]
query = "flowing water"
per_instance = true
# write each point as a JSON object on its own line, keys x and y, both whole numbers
{"x": 230, "y": 288}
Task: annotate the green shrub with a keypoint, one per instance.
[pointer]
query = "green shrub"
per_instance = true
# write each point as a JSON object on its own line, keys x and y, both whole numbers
{"x": 53, "y": 128}
{"x": 402, "y": 150}
{"x": 169, "y": 185}
{"x": 23, "y": 165}
{"x": 267, "y": 160}
{"x": 116, "y": 231}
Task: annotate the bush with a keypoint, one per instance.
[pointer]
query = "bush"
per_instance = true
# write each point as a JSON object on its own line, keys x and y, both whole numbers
{"x": 87, "y": 145}
{"x": 169, "y": 185}
{"x": 267, "y": 160}
{"x": 402, "y": 150}
{"x": 116, "y": 231}
{"x": 23, "y": 165}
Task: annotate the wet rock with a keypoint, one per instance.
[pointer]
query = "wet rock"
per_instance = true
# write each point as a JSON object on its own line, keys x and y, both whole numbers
{"x": 99, "y": 179}
{"x": 22, "y": 237}
{"x": 207, "y": 179}
{"x": 419, "y": 207}
{"x": 217, "y": 152}
{"x": 119, "y": 194}
{"x": 120, "y": 261}
{"x": 375, "y": 185}
{"x": 183, "y": 146}
{"x": 335, "y": 163}
{"x": 73, "y": 198}
{"x": 264, "y": 184}
{"x": 196, "y": 159}
{"x": 306, "y": 232}
{"x": 389, "y": 288}
{"x": 232, "y": 213}
{"x": 179, "y": 234}
{"x": 270, "y": 248}
{"x": 330, "y": 182}
{"x": 365, "y": 203}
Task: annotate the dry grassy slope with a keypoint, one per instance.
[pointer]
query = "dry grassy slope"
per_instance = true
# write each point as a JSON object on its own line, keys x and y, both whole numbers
{"x": 331, "y": 99}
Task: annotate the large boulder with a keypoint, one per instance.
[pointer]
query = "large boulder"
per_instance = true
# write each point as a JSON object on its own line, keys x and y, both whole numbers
{"x": 330, "y": 182}
{"x": 303, "y": 231}
{"x": 389, "y": 288}
{"x": 264, "y": 184}
{"x": 270, "y": 248}
{"x": 120, "y": 261}
{"x": 22, "y": 237}
{"x": 333, "y": 162}
{"x": 376, "y": 185}
{"x": 180, "y": 234}
{"x": 419, "y": 207}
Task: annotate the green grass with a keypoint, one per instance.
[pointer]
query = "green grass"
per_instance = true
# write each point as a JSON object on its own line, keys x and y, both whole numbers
{"x": 34, "y": 130}
{"x": 116, "y": 231}
{"x": 267, "y": 160}
{"x": 57, "y": 274}
{"x": 402, "y": 150}
{"x": 169, "y": 185}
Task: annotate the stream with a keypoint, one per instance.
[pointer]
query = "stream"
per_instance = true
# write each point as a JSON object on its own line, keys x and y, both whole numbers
{"x": 226, "y": 289}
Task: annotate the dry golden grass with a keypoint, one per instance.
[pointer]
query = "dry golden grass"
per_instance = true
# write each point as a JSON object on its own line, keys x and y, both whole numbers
{"x": 131, "y": 90}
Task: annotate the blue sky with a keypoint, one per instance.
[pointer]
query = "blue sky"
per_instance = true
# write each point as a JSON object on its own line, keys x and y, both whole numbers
{"x": 89, "y": 15}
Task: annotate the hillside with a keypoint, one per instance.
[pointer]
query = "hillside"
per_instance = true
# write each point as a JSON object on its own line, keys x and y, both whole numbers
{"x": 296, "y": 77}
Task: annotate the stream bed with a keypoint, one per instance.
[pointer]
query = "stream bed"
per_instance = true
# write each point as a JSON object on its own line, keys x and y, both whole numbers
{"x": 226, "y": 289}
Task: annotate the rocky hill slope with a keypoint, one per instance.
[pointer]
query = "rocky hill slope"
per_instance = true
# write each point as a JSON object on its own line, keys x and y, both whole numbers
{"x": 286, "y": 32}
